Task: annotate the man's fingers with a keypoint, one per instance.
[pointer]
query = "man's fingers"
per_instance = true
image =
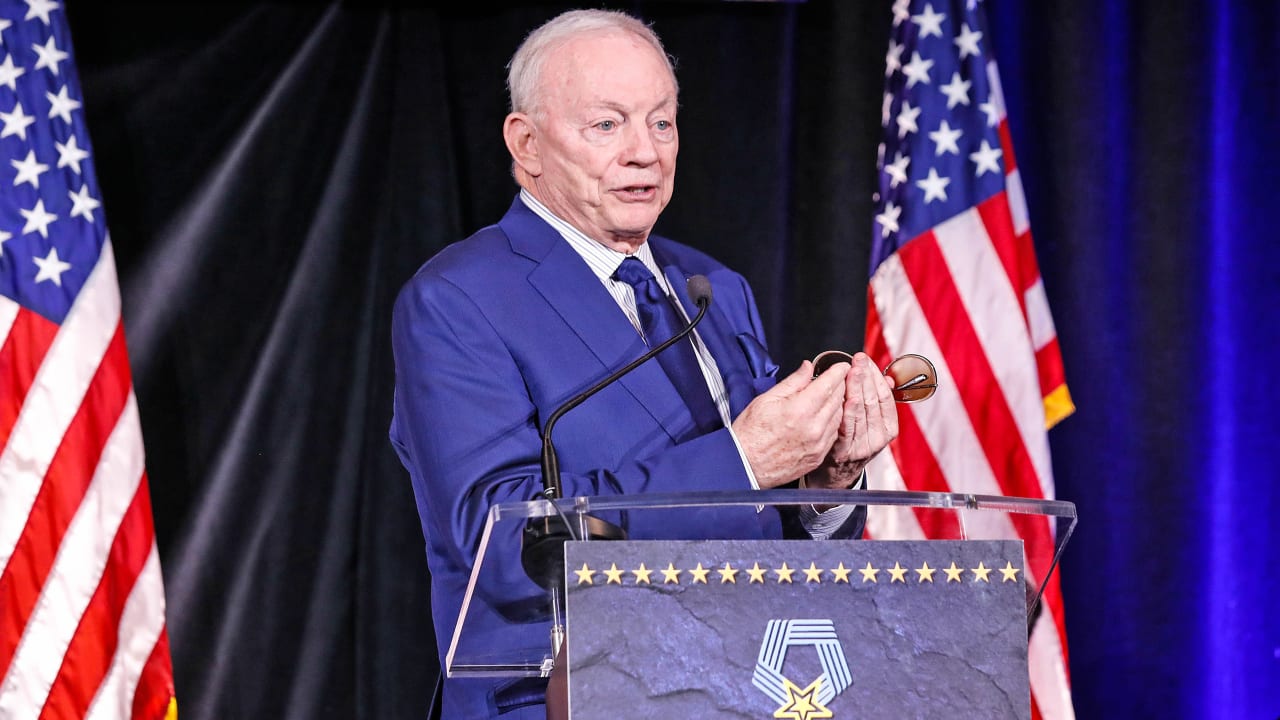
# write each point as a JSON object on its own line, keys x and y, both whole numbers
{"x": 819, "y": 405}
{"x": 832, "y": 421}
{"x": 787, "y": 431}
{"x": 870, "y": 385}
{"x": 796, "y": 381}
{"x": 870, "y": 418}
{"x": 829, "y": 383}
{"x": 873, "y": 427}
{"x": 877, "y": 398}
{"x": 888, "y": 407}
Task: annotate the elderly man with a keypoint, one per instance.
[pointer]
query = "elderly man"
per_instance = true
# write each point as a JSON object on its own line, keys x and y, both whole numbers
{"x": 496, "y": 331}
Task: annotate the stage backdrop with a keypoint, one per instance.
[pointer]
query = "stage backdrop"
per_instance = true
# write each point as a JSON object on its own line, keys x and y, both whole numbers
{"x": 273, "y": 172}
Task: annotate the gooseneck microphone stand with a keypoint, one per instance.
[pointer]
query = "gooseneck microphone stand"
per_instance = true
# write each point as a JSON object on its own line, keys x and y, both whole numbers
{"x": 542, "y": 543}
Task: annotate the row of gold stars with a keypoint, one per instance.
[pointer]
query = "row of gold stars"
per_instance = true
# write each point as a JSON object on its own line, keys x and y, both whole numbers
{"x": 812, "y": 574}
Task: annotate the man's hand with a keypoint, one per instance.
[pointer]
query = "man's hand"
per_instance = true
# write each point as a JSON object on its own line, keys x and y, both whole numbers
{"x": 789, "y": 430}
{"x": 868, "y": 423}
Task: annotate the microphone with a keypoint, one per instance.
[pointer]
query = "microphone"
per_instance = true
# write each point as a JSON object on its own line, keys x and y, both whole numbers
{"x": 541, "y": 553}
{"x": 700, "y": 292}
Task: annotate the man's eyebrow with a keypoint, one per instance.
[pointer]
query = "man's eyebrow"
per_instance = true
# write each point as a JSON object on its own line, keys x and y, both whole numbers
{"x": 606, "y": 105}
{"x": 667, "y": 103}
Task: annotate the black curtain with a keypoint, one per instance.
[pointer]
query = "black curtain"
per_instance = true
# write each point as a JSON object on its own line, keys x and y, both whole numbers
{"x": 272, "y": 172}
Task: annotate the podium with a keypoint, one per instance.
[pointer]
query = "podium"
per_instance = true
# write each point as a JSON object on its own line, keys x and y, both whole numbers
{"x": 802, "y": 629}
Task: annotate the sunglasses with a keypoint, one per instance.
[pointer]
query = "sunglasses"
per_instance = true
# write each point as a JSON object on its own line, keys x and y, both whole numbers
{"x": 914, "y": 377}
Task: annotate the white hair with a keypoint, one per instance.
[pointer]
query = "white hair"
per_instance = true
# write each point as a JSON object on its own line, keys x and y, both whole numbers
{"x": 525, "y": 69}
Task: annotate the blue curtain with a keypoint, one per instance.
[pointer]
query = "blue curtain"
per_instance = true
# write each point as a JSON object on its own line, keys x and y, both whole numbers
{"x": 1147, "y": 134}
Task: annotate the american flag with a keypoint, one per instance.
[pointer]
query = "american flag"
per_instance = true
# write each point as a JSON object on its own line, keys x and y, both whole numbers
{"x": 82, "y": 628}
{"x": 954, "y": 278}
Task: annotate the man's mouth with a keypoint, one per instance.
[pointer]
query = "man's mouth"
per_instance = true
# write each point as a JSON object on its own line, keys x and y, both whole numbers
{"x": 637, "y": 191}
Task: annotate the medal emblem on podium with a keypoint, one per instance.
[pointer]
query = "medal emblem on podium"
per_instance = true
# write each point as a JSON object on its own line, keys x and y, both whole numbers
{"x": 810, "y": 701}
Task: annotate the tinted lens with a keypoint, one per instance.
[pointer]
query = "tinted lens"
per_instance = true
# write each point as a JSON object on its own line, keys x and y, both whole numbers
{"x": 826, "y": 359}
{"x": 914, "y": 378}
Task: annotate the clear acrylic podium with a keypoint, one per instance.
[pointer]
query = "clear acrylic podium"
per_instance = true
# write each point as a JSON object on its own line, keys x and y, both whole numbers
{"x": 500, "y": 600}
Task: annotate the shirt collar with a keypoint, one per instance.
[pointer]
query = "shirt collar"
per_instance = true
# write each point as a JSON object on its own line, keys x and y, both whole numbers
{"x": 602, "y": 260}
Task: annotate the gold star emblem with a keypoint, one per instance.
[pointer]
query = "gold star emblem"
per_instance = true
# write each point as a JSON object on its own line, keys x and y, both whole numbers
{"x": 899, "y": 574}
{"x": 1009, "y": 572}
{"x": 757, "y": 573}
{"x": 802, "y": 704}
{"x": 700, "y": 574}
{"x": 642, "y": 574}
{"x": 584, "y": 575}
{"x": 812, "y": 573}
{"x": 953, "y": 573}
{"x": 671, "y": 575}
{"x": 784, "y": 573}
{"x": 869, "y": 573}
{"x": 841, "y": 573}
{"x": 614, "y": 574}
{"x": 728, "y": 574}
{"x": 925, "y": 572}
{"x": 980, "y": 573}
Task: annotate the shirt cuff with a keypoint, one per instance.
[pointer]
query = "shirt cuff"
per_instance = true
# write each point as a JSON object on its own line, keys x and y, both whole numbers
{"x": 822, "y": 525}
{"x": 751, "y": 477}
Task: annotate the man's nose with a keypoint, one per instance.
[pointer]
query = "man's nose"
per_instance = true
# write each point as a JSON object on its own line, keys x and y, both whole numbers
{"x": 641, "y": 149}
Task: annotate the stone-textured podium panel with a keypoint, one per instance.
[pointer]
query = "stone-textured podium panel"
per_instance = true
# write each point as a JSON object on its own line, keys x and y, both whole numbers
{"x": 795, "y": 629}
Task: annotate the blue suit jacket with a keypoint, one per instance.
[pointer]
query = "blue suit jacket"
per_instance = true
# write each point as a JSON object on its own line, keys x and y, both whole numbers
{"x": 490, "y": 336}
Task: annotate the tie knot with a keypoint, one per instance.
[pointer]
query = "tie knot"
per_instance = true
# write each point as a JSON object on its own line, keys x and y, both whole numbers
{"x": 633, "y": 272}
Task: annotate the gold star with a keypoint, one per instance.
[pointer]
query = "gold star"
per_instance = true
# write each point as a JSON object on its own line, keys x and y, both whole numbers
{"x": 899, "y": 573}
{"x": 584, "y": 575}
{"x": 784, "y": 573}
{"x": 614, "y": 574}
{"x": 671, "y": 575}
{"x": 728, "y": 574}
{"x": 925, "y": 573}
{"x": 869, "y": 573}
{"x": 841, "y": 572}
{"x": 700, "y": 574}
{"x": 757, "y": 573}
{"x": 1009, "y": 572}
{"x": 642, "y": 574}
{"x": 812, "y": 573}
{"x": 953, "y": 572}
{"x": 802, "y": 704}
{"x": 981, "y": 573}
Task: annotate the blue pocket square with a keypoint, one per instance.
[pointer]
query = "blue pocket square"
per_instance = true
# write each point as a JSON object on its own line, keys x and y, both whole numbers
{"x": 758, "y": 359}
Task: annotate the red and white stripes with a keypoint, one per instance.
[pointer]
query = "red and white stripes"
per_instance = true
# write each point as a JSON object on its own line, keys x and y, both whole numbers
{"x": 81, "y": 597}
{"x": 968, "y": 295}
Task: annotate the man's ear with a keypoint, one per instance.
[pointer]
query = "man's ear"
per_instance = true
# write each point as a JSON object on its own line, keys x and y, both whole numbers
{"x": 522, "y": 142}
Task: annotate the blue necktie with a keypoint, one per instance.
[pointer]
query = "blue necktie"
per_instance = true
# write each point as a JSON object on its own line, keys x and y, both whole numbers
{"x": 659, "y": 321}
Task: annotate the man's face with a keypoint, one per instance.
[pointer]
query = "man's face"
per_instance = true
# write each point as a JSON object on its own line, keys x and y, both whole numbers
{"x": 606, "y": 137}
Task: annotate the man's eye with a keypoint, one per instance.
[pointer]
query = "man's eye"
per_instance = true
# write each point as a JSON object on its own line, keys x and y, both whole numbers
{"x": 606, "y": 125}
{"x": 664, "y": 124}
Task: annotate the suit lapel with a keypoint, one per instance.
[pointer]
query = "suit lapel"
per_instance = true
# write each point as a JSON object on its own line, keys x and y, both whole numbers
{"x": 576, "y": 294}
